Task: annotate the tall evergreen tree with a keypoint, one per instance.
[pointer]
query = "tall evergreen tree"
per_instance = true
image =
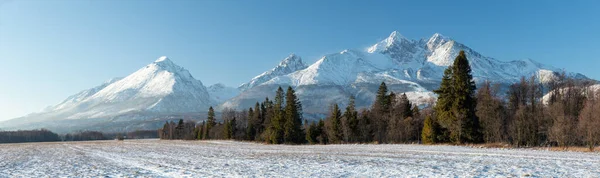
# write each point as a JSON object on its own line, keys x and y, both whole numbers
{"x": 382, "y": 99}
{"x": 351, "y": 116}
{"x": 464, "y": 103}
{"x": 293, "y": 132}
{"x": 232, "y": 128}
{"x": 277, "y": 122}
{"x": 443, "y": 105}
{"x": 405, "y": 106}
{"x": 380, "y": 113}
{"x": 335, "y": 125}
{"x": 258, "y": 119}
{"x": 211, "y": 121}
{"x": 227, "y": 130}
{"x": 251, "y": 127}
{"x": 456, "y": 102}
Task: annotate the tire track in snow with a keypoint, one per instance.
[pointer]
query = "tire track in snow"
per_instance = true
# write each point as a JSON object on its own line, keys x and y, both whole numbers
{"x": 119, "y": 160}
{"x": 162, "y": 169}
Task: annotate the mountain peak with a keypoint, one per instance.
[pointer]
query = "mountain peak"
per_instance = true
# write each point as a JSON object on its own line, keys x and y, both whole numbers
{"x": 395, "y": 35}
{"x": 292, "y": 60}
{"x": 437, "y": 40}
{"x": 288, "y": 65}
{"x": 164, "y": 63}
{"x": 438, "y": 35}
{"x": 394, "y": 38}
{"x": 162, "y": 59}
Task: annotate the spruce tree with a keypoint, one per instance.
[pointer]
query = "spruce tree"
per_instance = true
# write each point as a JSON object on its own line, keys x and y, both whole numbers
{"x": 293, "y": 132}
{"x": 455, "y": 107}
{"x": 352, "y": 117}
{"x": 251, "y": 128}
{"x": 278, "y": 120}
{"x": 382, "y": 99}
{"x": 380, "y": 113}
{"x": 232, "y": 128}
{"x": 335, "y": 131}
{"x": 210, "y": 122}
{"x": 405, "y": 106}
{"x": 464, "y": 102}
{"x": 444, "y": 103}
{"x": 258, "y": 119}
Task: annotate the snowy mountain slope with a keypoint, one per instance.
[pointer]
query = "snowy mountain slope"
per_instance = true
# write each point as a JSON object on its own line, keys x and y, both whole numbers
{"x": 81, "y": 96}
{"x": 414, "y": 67}
{"x": 160, "y": 88}
{"x": 288, "y": 65}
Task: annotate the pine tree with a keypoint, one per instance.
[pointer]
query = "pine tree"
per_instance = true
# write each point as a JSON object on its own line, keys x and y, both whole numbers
{"x": 210, "y": 122}
{"x": 465, "y": 102}
{"x": 258, "y": 119}
{"x": 293, "y": 132}
{"x": 351, "y": 116}
{"x": 456, "y": 102}
{"x": 278, "y": 120}
{"x": 232, "y": 128}
{"x": 380, "y": 113}
{"x": 430, "y": 131}
{"x": 382, "y": 99}
{"x": 311, "y": 133}
{"x": 335, "y": 129}
{"x": 405, "y": 106}
{"x": 251, "y": 128}
{"x": 227, "y": 130}
{"x": 267, "y": 113}
{"x": 444, "y": 104}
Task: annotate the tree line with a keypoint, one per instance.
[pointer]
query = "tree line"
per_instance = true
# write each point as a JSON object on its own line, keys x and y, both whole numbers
{"x": 23, "y": 136}
{"x": 462, "y": 114}
{"x": 44, "y": 135}
{"x": 272, "y": 121}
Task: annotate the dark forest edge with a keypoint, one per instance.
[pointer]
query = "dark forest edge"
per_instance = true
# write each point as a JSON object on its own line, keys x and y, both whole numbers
{"x": 462, "y": 114}
{"x": 43, "y": 135}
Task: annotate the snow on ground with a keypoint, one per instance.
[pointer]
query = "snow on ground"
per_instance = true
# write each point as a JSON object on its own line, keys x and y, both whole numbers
{"x": 160, "y": 158}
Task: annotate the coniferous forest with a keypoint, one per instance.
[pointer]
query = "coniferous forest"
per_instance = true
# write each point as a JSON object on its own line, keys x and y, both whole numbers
{"x": 463, "y": 114}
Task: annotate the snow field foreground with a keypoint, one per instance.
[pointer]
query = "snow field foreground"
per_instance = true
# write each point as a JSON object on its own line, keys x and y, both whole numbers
{"x": 161, "y": 158}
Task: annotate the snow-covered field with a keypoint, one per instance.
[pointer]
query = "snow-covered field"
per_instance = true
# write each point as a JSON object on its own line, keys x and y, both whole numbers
{"x": 158, "y": 158}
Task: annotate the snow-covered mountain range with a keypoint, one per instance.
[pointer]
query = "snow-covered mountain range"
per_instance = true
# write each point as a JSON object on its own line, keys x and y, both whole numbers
{"x": 162, "y": 89}
{"x": 414, "y": 67}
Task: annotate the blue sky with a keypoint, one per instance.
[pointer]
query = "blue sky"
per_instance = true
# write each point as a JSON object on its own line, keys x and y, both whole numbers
{"x": 52, "y": 49}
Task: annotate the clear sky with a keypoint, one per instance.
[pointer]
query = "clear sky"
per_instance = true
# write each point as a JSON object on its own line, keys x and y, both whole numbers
{"x": 50, "y": 49}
